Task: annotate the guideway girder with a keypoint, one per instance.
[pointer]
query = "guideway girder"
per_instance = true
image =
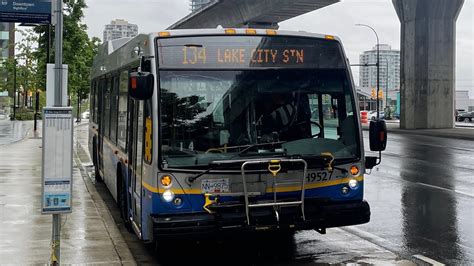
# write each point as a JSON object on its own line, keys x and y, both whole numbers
{"x": 249, "y": 13}
{"x": 427, "y": 63}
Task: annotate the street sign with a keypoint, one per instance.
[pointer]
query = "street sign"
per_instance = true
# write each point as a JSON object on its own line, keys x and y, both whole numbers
{"x": 57, "y": 160}
{"x": 25, "y": 11}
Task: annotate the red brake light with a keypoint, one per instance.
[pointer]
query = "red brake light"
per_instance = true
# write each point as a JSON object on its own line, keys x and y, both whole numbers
{"x": 133, "y": 83}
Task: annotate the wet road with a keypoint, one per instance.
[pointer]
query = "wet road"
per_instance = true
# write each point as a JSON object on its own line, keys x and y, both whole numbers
{"x": 422, "y": 200}
{"x": 421, "y": 203}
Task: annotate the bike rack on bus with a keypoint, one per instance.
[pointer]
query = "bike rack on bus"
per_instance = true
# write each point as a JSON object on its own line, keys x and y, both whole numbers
{"x": 274, "y": 167}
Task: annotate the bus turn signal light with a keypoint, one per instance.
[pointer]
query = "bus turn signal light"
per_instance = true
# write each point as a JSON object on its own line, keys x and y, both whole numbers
{"x": 164, "y": 34}
{"x": 271, "y": 32}
{"x": 354, "y": 170}
{"x": 230, "y": 31}
{"x": 166, "y": 180}
{"x": 251, "y": 31}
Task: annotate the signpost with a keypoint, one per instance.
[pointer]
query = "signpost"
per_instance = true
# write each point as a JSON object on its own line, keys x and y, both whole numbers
{"x": 26, "y": 11}
{"x": 57, "y": 119}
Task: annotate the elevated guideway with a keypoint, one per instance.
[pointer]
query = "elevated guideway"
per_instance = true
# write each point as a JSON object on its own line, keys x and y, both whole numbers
{"x": 249, "y": 13}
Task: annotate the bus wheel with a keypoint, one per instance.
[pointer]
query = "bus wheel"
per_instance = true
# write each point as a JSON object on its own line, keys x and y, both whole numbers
{"x": 122, "y": 200}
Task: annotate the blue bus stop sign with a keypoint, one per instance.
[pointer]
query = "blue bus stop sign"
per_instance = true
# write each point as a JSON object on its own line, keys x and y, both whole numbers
{"x": 25, "y": 11}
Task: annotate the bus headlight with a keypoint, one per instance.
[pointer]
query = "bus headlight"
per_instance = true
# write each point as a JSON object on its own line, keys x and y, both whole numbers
{"x": 168, "y": 195}
{"x": 353, "y": 184}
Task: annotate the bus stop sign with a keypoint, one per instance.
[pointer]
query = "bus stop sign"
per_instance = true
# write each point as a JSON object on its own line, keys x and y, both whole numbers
{"x": 25, "y": 11}
{"x": 57, "y": 160}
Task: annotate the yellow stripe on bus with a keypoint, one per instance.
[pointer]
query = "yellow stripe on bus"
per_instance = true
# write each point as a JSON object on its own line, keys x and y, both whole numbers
{"x": 269, "y": 190}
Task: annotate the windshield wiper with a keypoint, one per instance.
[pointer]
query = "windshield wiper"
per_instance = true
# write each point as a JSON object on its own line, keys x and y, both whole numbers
{"x": 181, "y": 153}
{"x": 251, "y": 146}
{"x": 212, "y": 165}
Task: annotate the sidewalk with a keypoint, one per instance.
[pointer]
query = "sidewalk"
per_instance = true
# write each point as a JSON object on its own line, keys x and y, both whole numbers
{"x": 88, "y": 235}
{"x": 459, "y": 132}
{"x": 13, "y": 131}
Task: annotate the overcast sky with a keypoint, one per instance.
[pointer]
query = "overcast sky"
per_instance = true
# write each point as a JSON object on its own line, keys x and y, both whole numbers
{"x": 337, "y": 19}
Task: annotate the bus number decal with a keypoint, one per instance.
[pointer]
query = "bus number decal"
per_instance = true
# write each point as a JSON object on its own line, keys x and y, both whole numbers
{"x": 317, "y": 177}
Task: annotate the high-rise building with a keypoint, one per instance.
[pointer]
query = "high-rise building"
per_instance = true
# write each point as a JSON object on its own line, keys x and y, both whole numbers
{"x": 198, "y": 4}
{"x": 119, "y": 28}
{"x": 389, "y": 70}
{"x": 7, "y": 50}
{"x": 7, "y": 40}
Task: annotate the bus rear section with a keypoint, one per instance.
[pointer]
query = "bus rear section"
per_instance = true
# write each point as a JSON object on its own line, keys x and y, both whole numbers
{"x": 256, "y": 132}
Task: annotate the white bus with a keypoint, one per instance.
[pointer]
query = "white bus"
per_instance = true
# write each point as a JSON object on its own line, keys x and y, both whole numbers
{"x": 226, "y": 130}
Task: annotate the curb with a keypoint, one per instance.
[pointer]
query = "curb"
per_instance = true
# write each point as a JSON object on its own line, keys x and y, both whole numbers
{"x": 121, "y": 247}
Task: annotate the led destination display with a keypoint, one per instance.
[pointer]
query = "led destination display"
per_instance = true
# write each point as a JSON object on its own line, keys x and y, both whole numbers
{"x": 248, "y": 52}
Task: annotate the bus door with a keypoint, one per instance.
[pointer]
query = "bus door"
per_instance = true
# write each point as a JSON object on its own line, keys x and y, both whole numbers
{"x": 101, "y": 122}
{"x": 135, "y": 154}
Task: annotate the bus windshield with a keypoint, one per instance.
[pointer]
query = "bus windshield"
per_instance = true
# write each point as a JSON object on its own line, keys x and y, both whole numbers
{"x": 244, "y": 97}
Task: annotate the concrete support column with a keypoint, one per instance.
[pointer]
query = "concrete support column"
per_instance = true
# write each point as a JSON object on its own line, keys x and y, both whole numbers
{"x": 428, "y": 36}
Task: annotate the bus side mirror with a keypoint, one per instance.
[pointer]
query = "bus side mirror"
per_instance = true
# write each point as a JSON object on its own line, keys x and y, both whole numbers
{"x": 378, "y": 135}
{"x": 140, "y": 85}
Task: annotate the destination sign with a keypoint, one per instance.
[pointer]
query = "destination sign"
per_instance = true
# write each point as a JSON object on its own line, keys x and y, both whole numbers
{"x": 25, "y": 11}
{"x": 248, "y": 52}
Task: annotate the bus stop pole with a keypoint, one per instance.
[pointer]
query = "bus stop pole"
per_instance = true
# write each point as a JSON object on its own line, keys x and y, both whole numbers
{"x": 56, "y": 236}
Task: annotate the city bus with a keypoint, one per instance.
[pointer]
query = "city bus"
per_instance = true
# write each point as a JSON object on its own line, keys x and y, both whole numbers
{"x": 197, "y": 132}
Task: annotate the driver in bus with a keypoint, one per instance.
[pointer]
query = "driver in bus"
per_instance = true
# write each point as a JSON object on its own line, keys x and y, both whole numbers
{"x": 284, "y": 118}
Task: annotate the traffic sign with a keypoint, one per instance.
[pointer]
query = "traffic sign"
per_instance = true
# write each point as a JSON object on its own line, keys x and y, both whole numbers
{"x": 25, "y": 11}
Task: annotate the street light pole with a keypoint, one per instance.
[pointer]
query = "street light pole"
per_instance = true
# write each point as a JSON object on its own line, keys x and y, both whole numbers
{"x": 386, "y": 83}
{"x": 378, "y": 66}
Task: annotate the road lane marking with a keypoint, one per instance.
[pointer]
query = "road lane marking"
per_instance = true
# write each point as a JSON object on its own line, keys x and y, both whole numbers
{"x": 422, "y": 260}
{"x": 388, "y": 175}
{"x": 446, "y": 189}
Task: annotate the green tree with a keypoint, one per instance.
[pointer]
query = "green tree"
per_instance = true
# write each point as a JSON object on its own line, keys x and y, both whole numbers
{"x": 78, "y": 49}
{"x": 26, "y": 64}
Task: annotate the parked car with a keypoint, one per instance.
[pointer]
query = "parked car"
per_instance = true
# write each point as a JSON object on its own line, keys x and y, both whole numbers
{"x": 373, "y": 115}
{"x": 85, "y": 115}
{"x": 466, "y": 116}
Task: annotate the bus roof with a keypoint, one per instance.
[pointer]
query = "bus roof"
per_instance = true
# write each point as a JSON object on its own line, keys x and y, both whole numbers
{"x": 116, "y": 54}
{"x": 241, "y": 31}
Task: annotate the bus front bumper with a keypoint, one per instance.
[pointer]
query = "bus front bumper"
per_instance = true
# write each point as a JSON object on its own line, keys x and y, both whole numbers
{"x": 318, "y": 216}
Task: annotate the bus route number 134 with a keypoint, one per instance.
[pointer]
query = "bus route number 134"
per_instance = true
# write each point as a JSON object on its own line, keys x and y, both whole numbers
{"x": 194, "y": 55}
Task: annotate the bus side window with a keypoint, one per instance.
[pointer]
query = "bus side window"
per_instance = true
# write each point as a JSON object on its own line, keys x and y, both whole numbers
{"x": 107, "y": 96}
{"x": 122, "y": 110}
{"x": 96, "y": 101}
{"x": 114, "y": 109}
{"x": 92, "y": 101}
